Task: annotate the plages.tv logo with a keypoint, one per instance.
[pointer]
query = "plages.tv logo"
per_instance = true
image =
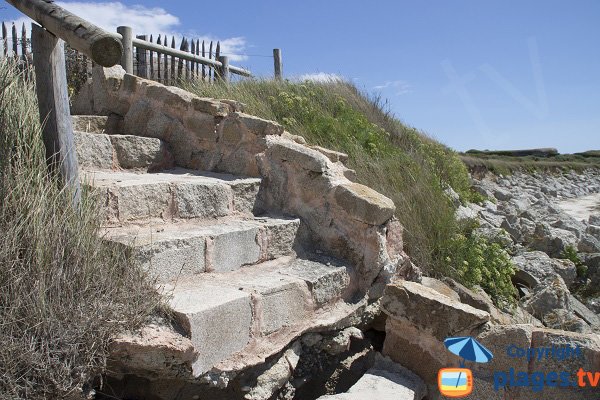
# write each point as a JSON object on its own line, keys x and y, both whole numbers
{"x": 458, "y": 382}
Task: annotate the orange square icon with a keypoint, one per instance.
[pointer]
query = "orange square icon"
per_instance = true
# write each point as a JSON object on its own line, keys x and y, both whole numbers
{"x": 455, "y": 382}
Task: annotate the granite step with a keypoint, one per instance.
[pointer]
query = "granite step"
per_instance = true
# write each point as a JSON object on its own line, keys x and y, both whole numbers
{"x": 171, "y": 251}
{"x": 171, "y": 194}
{"x": 255, "y": 308}
{"x": 97, "y": 151}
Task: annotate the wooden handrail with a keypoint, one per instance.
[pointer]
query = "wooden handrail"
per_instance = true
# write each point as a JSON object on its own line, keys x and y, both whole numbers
{"x": 103, "y": 47}
{"x": 143, "y": 44}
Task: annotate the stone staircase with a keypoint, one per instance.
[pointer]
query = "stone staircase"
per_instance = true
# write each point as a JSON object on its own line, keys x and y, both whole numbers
{"x": 240, "y": 283}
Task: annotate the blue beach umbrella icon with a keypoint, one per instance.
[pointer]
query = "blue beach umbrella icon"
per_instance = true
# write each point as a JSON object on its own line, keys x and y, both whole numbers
{"x": 469, "y": 349}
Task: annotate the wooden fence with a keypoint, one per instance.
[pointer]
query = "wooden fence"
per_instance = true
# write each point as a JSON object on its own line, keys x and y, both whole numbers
{"x": 147, "y": 61}
{"x": 169, "y": 69}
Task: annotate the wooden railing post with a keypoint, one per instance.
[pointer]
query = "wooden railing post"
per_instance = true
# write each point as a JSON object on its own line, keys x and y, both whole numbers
{"x": 55, "y": 115}
{"x": 224, "y": 69}
{"x": 127, "y": 58}
{"x": 278, "y": 64}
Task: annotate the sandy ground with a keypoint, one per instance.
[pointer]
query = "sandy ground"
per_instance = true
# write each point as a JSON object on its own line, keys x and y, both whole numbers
{"x": 581, "y": 207}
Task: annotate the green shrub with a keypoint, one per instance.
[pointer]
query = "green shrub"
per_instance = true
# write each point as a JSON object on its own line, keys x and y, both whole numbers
{"x": 570, "y": 253}
{"x": 63, "y": 293}
{"x": 473, "y": 260}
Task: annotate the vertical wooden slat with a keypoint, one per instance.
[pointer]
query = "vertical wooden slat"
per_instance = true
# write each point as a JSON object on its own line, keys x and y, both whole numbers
{"x": 197, "y": 53}
{"x": 158, "y": 57}
{"x": 152, "y": 61}
{"x": 142, "y": 60}
{"x": 5, "y": 39}
{"x": 277, "y": 64}
{"x": 186, "y": 48}
{"x": 166, "y": 59}
{"x": 210, "y": 69}
{"x": 180, "y": 63}
{"x": 173, "y": 78}
{"x": 193, "y": 64}
{"x": 24, "y": 42}
{"x": 53, "y": 100}
{"x": 15, "y": 41}
{"x": 203, "y": 66}
{"x": 217, "y": 55}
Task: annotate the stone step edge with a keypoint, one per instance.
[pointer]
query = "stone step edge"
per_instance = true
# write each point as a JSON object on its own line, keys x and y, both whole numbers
{"x": 188, "y": 249}
{"x": 329, "y": 305}
{"x": 172, "y": 194}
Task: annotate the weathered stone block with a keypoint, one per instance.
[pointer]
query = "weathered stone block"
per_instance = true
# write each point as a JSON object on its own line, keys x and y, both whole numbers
{"x": 300, "y": 156}
{"x": 94, "y": 151}
{"x": 218, "y": 319}
{"x": 282, "y": 301}
{"x": 430, "y": 311}
{"x": 201, "y": 200}
{"x": 140, "y": 152}
{"x": 325, "y": 282}
{"x": 232, "y": 248}
{"x": 210, "y": 106}
{"x": 363, "y": 203}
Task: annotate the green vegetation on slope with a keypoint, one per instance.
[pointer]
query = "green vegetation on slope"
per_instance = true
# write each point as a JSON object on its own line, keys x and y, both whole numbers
{"x": 63, "y": 294}
{"x": 501, "y": 163}
{"x": 397, "y": 160}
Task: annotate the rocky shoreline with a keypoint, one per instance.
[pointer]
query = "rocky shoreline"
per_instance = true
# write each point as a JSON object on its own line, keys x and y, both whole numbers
{"x": 532, "y": 215}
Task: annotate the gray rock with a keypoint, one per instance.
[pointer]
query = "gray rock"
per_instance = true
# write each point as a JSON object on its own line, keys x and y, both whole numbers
{"x": 496, "y": 235}
{"x": 465, "y": 213}
{"x": 566, "y": 320}
{"x": 94, "y": 151}
{"x": 542, "y": 267}
{"x": 386, "y": 381}
{"x": 274, "y": 378}
{"x": 594, "y": 219}
{"x": 588, "y": 244}
{"x": 551, "y": 296}
{"x": 552, "y": 241}
{"x": 502, "y": 194}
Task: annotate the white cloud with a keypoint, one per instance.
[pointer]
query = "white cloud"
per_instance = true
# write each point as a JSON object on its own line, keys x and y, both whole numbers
{"x": 399, "y": 87}
{"x": 320, "y": 77}
{"x": 143, "y": 21}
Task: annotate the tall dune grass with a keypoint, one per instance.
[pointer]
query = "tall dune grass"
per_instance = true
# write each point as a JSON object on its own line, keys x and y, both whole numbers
{"x": 63, "y": 294}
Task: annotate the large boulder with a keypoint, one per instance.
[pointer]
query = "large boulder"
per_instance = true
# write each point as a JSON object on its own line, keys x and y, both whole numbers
{"x": 430, "y": 311}
{"x": 552, "y": 241}
{"x": 542, "y": 267}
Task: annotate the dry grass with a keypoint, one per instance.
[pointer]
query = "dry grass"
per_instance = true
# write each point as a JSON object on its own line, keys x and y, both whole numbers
{"x": 63, "y": 293}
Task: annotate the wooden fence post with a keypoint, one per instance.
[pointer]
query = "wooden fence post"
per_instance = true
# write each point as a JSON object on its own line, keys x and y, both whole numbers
{"x": 224, "y": 70}
{"x": 142, "y": 59}
{"x": 127, "y": 57}
{"x": 278, "y": 64}
{"x": 53, "y": 99}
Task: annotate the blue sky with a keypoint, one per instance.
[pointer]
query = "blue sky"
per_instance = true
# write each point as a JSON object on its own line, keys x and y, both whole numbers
{"x": 472, "y": 74}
